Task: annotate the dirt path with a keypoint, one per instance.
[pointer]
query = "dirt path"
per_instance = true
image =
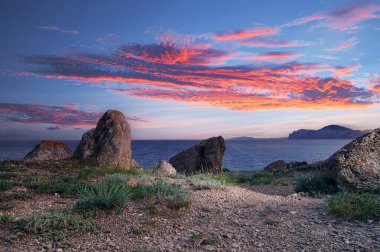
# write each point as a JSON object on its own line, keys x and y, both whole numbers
{"x": 261, "y": 218}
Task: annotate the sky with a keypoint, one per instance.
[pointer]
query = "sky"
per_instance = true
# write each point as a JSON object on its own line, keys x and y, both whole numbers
{"x": 188, "y": 69}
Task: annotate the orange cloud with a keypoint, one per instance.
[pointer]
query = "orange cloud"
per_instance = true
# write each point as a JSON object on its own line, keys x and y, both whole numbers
{"x": 244, "y": 34}
{"x": 186, "y": 74}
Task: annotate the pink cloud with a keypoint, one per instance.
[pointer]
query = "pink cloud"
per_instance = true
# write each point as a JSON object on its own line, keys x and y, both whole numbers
{"x": 345, "y": 18}
{"x": 274, "y": 56}
{"x": 247, "y": 33}
{"x": 265, "y": 42}
{"x": 343, "y": 45}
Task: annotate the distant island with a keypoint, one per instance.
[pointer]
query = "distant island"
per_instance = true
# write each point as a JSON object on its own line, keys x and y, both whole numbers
{"x": 242, "y": 138}
{"x": 328, "y": 132}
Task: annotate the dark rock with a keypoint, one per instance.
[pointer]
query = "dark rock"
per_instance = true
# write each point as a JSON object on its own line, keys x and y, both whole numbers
{"x": 109, "y": 144}
{"x": 357, "y": 165}
{"x": 49, "y": 150}
{"x": 278, "y": 166}
{"x": 328, "y": 132}
{"x": 204, "y": 157}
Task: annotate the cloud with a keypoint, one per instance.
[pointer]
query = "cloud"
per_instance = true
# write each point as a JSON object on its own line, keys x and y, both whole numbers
{"x": 277, "y": 56}
{"x": 265, "y": 42}
{"x": 186, "y": 75}
{"x": 247, "y": 33}
{"x": 345, "y": 18}
{"x": 328, "y": 57}
{"x": 58, "y": 29}
{"x": 343, "y": 45}
{"x": 60, "y": 115}
{"x": 53, "y": 128}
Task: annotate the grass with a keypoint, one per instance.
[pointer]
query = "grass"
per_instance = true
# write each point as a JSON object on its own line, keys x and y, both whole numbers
{"x": 205, "y": 181}
{"x": 20, "y": 196}
{"x": 296, "y": 164}
{"x": 255, "y": 178}
{"x": 6, "y": 218}
{"x": 106, "y": 196}
{"x": 7, "y": 175}
{"x": 316, "y": 184}
{"x": 172, "y": 194}
{"x": 355, "y": 205}
{"x": 57, "y": 225}
{"x": 61, "y": 184}
{"x": 6, "y": 207}
{"x": 6, "y": 185}
{"x": 271, "y": 222}
{"x": 86, "y": 173}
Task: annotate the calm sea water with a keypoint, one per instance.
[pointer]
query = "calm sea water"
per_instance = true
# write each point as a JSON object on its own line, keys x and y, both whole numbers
{"x": 240, "y": 154}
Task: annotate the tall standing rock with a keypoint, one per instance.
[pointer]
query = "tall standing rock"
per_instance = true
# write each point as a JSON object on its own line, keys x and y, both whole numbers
{"x": 357, "y": 165}
{"x": 109, "y": 144}
{"x": 49, "y": 150}
{"x": 204, "y": 157}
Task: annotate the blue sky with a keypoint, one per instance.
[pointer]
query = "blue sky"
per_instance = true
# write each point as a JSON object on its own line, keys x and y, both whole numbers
{"x": 188, "y": 69}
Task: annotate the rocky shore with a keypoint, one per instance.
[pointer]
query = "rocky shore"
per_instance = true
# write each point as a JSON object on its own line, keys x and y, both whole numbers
{"x": 99, "y": 199}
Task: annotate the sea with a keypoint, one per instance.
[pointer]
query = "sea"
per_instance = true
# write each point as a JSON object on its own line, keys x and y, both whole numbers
{"x": 240, "y": 155}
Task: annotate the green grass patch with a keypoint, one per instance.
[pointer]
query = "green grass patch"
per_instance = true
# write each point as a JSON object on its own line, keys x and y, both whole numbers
{"x": 7, "y": 175}
{"x": 20, "y": 196}
{"x": 316, "y": 184}
{"x": 106, "y": 196}
{"x": 6, "y": 207}
{"x": 200, "y": 238}
{"x": 6, "y": 185}
{"x": 57, "y": 225}
{"x": 256, "y": 178}
{"x": 6, "y": 218}
{"x": 64, "y": 185}
{"x": 102, "y": 171}
{"x": 355, "y": 205}
{"x": 205, "y": 181}
{"x": 173, "y": 194}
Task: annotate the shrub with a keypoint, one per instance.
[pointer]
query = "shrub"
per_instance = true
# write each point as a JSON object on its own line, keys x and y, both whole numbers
{"x": 261, "y": 178}
{"x": 5, "y": 218}
{"x": 315, "y": 184}
{"x": 57, "y": 225}
{"x": 296, "y": 164}
{"x": 103, "y": 196}
{"x": 205, "y": 181}
{"x": 7, "y": 175}
{"x": 173, "y": 194}
{"x": 355, "y": 205}
{"x": 200, "y": 238}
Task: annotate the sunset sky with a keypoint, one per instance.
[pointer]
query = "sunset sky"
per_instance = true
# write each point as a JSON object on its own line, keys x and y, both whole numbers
{"x": 188, "y": 69}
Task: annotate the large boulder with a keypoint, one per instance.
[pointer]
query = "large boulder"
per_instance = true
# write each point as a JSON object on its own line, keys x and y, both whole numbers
{"x": 109, "y": 144}
{"x": 49, "y": 150}
{"x": 277, "y": 167}
{"x": 357, "y": 165}
{"x": 204, "y": 157}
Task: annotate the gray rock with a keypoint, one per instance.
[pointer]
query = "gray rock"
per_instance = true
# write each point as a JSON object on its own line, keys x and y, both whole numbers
{"x": 109, "y": 144}
{"x": 165, "y": 167}
{"x": 357, "y": 165}
{"x": 278, "y": 166}
{"x": 49, "y": 150}
{"x": 204, "y": 157}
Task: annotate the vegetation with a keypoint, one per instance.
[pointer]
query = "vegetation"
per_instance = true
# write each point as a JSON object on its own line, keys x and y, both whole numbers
{"x": 57, "y": 225}
{"x": 61, "y": 184}
{"x": 110, "y": 195}
{"x": 200, "y": 238}
{"x": 20, "y": 196}
{"x": 315, "y": 184}
{"x": 86, "y": 173}
{"x": 6, "y": 207}
{"x": 5, "y": 218}
{"x": 6, "y": 185}
{"x": 205, "y": 181}
{"x": 296, "y": 164}
{"x": 173, "y": 194}
{"x": 355, "y": 205}
{"x": 271, "y": 221}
